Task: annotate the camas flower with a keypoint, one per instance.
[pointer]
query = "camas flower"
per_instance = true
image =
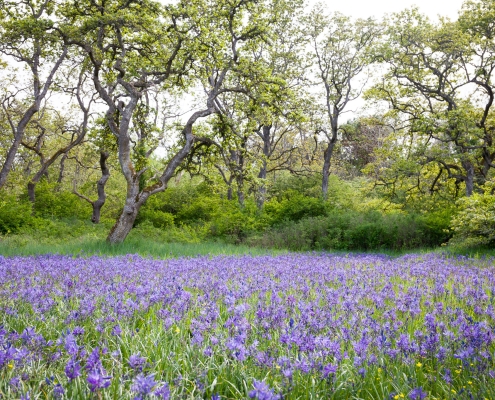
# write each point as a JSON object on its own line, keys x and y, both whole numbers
{"x": 163, "y": 392}
{"x": 58, "y": 391}
{"x": 263, "y": 392}
{"x": 73, "y": 369}
{"x": 328, "y": 370}
{"x": 136, "y": 362}
{"x": 417, "y": 394}
{"x": 143, "y": 385}
{"x": 93, "y": 362}
{"x": 97, "y": 380}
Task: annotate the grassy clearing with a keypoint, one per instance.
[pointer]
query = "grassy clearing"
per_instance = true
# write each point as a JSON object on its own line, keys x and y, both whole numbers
{"x": 25, "y": 245}
{"x": 74, "y": 237}
{"x": 91, "y": 244}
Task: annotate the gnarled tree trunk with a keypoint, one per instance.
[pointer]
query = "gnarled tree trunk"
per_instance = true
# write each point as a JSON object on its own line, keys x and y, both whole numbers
{"x": 126, "y": 220}
{"x": 265, "y": 136}
{"x": 100, "y": 202}
{"x": 327, "y": 160}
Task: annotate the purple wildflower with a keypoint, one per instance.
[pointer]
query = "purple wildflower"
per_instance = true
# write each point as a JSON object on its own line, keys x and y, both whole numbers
{"x": 447, "y": 376}
{"x": 163, "y": 392}
{"x": 97, "y": 380}
{"x": 143, "y": 385}
{"x": 93, "y": 362}
{"x": 117, "y": 330}
{"x": 262, "y": 391}
{"x": 78, "y": 331}
{"x": 208, "y": 352}
{"x": 287, "y": 373}
{"x": 73, "y": 369}
{"x": 328, "y": 370}
{"x": 71, "y": 344}
{"x": 58, "y": 391}
{"x": 136, "y": 362}
{"x": 15, "y": 383}
{"x": 417, "y": 394}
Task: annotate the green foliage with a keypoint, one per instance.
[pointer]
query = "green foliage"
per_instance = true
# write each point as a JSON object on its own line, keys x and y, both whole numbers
{"x": 181, "y": 234}
{"x": 295, "y": 207}
{"x": 14, "y": 214}
{"x": 285, "y": 184}
{"x": 180, "y": 204}
{"x": 293, "y": 220}
{"x": 353, "y": 230}
{"x": 434, "y": 225}
{"x": 82, "y": 237}
{"x": 235, "y": 223}
{"x": 53, "y": 202}
{"x": 157, "y": 218}
{"x": 474, "y": 224}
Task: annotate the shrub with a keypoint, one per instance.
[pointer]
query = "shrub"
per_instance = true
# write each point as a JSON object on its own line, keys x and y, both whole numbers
{"x": 474, "y": 224}
{"x": 178, "y": 234}
{"x": 353, "y": 230}
{"x": 286, "y": 184}
{"x": 53, "y": 202}
{"x": 157, "y": 218}
{"x": 234, "y": 223}
{"x": 14, "y": 214}
{"x": 294, "y": 208}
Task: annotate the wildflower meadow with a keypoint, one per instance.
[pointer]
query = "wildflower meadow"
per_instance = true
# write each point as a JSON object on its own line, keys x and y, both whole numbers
{"x": 293, "y": 326}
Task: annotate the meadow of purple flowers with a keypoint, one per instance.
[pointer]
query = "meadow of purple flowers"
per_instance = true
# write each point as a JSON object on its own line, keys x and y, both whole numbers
{"x": 293, "y": 326}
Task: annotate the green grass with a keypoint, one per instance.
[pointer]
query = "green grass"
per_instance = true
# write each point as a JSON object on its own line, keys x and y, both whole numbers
{"x": 472, "y": 252}
{"x": 89, "y": 244}
{"x": 28, "y": 245}
{"x": 94, "y": 243}
{"x": 82, "y": 237}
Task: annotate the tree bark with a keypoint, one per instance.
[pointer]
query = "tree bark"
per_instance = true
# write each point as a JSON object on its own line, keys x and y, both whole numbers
{"x": 30, "y": 189}
{"x": 327, "y": 161}
{"x": 62, "y": 168}
{"x": 240, "y": 196}
{"x": 265, "y": 136}
{"x": 239, "y": 177}
{"x": 125, "y": 222}
{"x": 18, "y": 136}
{"x": 135, "y": 197}
{"x": 105, "y": 174}
{"x": 100, "y": 202}
{"x": 45, "y": 164}
{"x": 469, "y": 180}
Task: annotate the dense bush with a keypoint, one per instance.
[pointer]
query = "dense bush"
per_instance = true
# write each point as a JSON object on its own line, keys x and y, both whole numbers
{"x": 352, "y": 230}
{"x": 198, "y": 208}
{"x": 157, "y": 218}
{"x": 14, "y": 214}
{"x": 294, "y": 208}
{"x": 177, "y": 234}
{"x": 183, "y": 204}
{"x": 287, "y": 184}
{"x": 53, "y": 202}
{"x": 474, "y": 223}
{"x": 292, "y": 219}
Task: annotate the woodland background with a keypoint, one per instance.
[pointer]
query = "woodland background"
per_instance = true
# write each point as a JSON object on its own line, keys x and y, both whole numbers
{"x": 259, "y": 122}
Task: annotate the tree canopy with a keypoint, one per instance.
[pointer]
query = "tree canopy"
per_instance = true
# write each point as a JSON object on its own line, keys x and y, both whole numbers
{"x": 127, "y": 96}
